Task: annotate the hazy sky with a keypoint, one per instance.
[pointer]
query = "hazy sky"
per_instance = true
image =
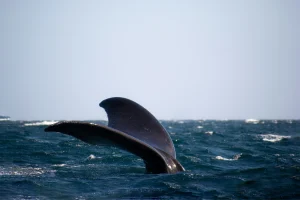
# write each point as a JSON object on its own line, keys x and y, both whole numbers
{"x": 179, "y": 59}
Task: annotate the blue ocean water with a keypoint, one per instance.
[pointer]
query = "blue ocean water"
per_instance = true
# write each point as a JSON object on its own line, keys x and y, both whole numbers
{"x": 223, "y": 160}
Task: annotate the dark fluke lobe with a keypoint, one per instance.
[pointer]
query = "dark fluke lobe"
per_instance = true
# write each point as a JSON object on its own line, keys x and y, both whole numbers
{"x": 132, "y": 128}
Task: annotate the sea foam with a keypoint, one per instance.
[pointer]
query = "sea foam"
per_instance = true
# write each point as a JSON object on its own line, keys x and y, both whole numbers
{"x": 23, "y": 171}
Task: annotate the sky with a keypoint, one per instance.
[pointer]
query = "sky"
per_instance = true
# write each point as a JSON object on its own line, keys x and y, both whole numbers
{"x": 189, "y": 59}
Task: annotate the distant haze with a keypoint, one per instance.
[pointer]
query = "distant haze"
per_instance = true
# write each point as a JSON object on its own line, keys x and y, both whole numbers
{"x": 179, "y": 59}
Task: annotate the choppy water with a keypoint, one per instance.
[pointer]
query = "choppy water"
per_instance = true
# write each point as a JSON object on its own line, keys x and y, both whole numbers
{"x": 223, "y": 160}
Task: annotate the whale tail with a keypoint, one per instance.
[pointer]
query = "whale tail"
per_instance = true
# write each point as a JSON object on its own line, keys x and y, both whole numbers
{"x": 132, "y": 128}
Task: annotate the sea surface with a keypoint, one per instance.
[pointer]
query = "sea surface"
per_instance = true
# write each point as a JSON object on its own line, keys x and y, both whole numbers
{"x": 246, "y": 159}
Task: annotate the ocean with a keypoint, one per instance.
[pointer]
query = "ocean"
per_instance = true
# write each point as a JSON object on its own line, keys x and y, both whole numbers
{"x": 240, "y": 159}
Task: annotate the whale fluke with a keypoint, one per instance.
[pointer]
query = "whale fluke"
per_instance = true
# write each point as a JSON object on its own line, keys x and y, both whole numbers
{"x": 131, "y": 127}
{"x": 129, "y": 117}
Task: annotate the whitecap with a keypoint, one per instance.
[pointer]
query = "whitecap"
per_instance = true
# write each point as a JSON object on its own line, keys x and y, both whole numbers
{"x": 273, "y": 137}
{"x": 59, "y": 165}
{"x": 91, "y": 157}
{"x": 199, "y": 126}
{"x": 4, "y": 119}
{"x": 41, "y": 123}
{"x": 252, "y": 121}
{"x": 236, "y": 157}
{"x": 209, "y": 132}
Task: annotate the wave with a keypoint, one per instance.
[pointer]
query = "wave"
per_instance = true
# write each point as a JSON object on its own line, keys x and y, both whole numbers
{"x": 236, "y": 157}
{"x": 42, "y": 123}
{"x": 252, "y": 121}
{"x": 177, "y": 121}
{"x": 274, "y": 138}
